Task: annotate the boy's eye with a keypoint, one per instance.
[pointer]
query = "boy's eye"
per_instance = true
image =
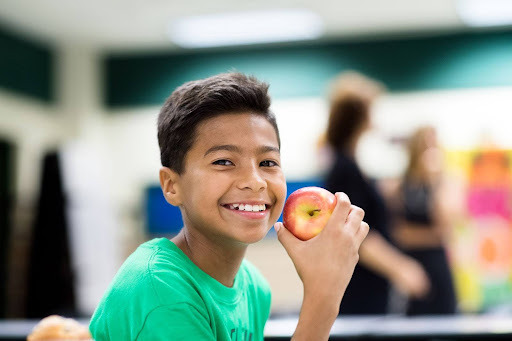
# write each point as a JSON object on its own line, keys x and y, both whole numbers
{"x": 223, "y": 162}
{"x": 268, "y": 163}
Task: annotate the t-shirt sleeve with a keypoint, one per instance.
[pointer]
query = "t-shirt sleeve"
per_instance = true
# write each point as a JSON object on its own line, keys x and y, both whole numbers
{"x": 177, "y": 322}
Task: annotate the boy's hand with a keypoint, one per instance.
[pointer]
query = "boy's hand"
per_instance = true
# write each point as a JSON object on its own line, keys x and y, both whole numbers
{"x": 326, "y": 262}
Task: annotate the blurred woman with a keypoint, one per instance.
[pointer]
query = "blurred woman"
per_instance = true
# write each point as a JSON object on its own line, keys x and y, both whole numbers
{"x": 422, "y": 226}
{"x": 380, "y": 262}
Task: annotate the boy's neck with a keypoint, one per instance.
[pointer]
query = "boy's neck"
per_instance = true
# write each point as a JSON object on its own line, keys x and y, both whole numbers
{"x": 218, "y": 261}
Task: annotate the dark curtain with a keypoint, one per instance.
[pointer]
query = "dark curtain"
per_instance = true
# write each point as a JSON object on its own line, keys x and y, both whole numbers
{"x": 50, "y": 277}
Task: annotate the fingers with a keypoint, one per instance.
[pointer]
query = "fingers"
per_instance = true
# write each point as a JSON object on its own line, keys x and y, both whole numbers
{"x": 285, "y": 237}
{"x": 340, "y": 213}
{"x": 355, "y": 218}
{"x": 362, "y": 232}
{"x": 356, "y": 225}
{"x": 348, "y": 216}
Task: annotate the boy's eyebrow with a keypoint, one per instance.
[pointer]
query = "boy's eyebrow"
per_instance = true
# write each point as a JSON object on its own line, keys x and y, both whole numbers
{"x": 266, "y": 149}
{"x": 228, "y": 147}
{"x": 232, "y": 148}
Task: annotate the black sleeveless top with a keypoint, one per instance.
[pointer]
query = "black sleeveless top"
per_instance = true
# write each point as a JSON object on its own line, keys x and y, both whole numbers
{"x": 417, "y": 199}
{"x": 367, "y": 292}
{"x": 417, "y": 208}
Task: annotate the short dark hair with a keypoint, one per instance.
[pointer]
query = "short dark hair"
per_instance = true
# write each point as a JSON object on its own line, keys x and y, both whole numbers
{"x": 196, "y": 101}
{"x": 345, "y": 120}
{"x": 351, "y": 97}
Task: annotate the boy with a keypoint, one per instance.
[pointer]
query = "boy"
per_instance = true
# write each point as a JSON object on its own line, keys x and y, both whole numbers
{"x": 220, "y": 152}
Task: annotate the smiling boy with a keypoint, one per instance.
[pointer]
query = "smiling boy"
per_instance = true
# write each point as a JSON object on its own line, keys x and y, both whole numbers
{"x": 220, "y": 152}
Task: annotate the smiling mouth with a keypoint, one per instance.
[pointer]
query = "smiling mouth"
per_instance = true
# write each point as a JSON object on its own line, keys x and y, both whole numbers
{"x": 247, "y": 207}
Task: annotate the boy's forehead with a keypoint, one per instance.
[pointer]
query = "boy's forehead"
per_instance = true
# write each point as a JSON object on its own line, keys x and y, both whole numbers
{"x": 236, "y": 127}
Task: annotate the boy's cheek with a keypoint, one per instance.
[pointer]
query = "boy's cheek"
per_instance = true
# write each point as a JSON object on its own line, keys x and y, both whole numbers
{"x": 279, "y": 187}
{"x": 281, "y": 197}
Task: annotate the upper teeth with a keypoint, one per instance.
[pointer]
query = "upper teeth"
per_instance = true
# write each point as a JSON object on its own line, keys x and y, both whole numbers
{"x": 248, "y": 208}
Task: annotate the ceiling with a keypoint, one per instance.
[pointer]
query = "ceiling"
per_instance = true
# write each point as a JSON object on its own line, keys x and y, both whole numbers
{"x": 141, "y": 24}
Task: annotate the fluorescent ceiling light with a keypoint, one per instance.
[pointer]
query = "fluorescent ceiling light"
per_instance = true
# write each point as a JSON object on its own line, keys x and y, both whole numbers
{"x": 482, "y": 13}
{"x": 245, "y": 28}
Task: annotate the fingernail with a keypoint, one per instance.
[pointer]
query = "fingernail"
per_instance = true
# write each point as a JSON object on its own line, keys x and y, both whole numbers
{"x": 277, "y": 226}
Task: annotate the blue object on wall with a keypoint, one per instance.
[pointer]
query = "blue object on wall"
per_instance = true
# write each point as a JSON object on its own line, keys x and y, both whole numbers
{"x": 163, "y": 218}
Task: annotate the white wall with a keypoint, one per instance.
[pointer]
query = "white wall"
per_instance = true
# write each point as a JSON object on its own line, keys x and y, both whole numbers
{"x": 33, "y": 127}
{"x": 464, "y": 119}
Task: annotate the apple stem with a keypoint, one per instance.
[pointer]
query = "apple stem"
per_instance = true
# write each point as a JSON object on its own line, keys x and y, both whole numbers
{"x": 312, "y": 213}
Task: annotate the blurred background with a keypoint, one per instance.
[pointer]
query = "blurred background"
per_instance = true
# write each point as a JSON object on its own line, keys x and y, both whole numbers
{"x": 81, "y": 84}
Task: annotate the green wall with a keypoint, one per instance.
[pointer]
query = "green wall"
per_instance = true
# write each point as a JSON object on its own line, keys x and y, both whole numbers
{"x": 452, "y": 61}
{"x": 26, "y": 67}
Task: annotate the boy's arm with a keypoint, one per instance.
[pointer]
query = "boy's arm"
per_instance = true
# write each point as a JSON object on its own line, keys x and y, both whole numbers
{"x": 325, "y": 265}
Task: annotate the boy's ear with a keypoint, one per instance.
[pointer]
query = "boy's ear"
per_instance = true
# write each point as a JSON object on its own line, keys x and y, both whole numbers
{"x": 170, "y": 186}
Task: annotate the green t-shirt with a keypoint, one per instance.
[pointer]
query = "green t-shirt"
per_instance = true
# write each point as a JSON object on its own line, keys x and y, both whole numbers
{"x": 159, "y": 294}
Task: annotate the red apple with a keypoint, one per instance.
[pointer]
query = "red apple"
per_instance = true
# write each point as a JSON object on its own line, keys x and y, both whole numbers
{"x": 307, "y": 211}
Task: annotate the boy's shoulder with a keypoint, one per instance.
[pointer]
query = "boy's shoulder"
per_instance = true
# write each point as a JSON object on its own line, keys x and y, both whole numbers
{"x": 172, "y": 271}
{"x": 154, "y": 264}
{"x": 153, "y": 276}
{"x": 160, "y": 270}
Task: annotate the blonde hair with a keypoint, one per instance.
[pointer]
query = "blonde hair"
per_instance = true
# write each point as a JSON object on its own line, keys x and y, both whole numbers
{"x": 417, "y": 144}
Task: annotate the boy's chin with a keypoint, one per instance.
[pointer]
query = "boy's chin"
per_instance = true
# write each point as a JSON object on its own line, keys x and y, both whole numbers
{"x": 253, "y": 237}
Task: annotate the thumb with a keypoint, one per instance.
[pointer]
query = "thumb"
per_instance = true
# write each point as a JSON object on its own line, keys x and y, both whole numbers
{"x": 286, "y": 238}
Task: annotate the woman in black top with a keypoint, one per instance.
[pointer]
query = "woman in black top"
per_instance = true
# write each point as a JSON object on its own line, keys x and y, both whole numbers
{"x": 380, "y": 262}
{"x": 422, "y": 226}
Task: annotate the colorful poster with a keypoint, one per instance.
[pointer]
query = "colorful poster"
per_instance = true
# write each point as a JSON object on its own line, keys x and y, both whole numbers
{"x": 481, "y": 249}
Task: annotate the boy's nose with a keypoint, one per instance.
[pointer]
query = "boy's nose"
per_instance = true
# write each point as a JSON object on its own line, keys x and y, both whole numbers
{"x": 252, "y": 179}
